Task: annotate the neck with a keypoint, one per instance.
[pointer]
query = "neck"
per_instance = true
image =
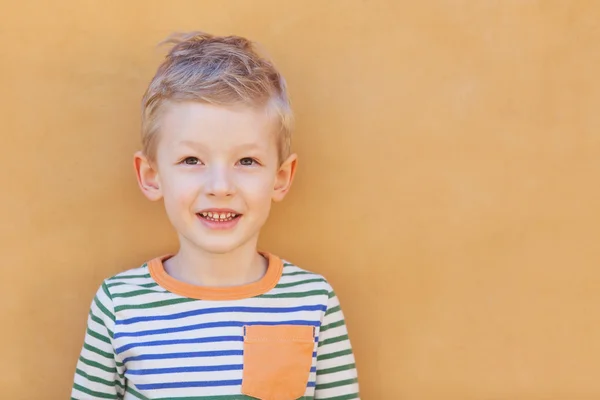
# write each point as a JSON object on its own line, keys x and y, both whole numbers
{"x": 199, "y": 267}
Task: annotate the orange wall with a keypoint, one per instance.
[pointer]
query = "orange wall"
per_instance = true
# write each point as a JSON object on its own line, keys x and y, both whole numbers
{"x": 448, "y": 184}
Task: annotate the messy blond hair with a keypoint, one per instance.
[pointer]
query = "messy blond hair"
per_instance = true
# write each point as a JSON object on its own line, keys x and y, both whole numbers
{"x": 219, "y": 70}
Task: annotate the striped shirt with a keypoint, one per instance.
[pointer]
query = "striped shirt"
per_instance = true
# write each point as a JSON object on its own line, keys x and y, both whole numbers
{"x": 150, "y": 336}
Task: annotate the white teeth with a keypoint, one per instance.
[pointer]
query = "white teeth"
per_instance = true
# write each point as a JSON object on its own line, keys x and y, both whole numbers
{"x": 219, "y": 216}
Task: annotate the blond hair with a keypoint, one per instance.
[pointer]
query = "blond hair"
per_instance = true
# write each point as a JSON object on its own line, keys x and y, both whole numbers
{"x": 219, "y": 70}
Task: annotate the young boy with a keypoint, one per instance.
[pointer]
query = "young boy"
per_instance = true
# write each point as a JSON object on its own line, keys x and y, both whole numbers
{"x": 219, "y": 319}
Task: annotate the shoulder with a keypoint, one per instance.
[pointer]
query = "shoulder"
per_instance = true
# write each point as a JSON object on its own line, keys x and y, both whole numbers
{"x": 293, "y": 275}
{"x": 137, "y": 278}
{"x": 137, "y": 273}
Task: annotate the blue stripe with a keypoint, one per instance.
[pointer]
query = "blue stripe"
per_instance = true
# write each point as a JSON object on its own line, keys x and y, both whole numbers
{"x": 176, "y": 385}
{"x": 214, "y": 353}
{"x": 176, "y": 370}
{"x": 270, "y": 310}
{"x": 194, "y": 354}
{"x": 214, "y": 339}
{"x": 219, "y": 324}
{"x": 190, "y": 369}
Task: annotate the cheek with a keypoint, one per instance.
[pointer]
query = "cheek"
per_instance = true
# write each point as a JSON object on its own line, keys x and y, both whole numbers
{"x": 257, "y": 189}
{"x": 179, "y": 192}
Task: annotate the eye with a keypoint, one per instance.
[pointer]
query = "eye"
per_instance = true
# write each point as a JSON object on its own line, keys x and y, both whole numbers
{"x": 248, "y": 161}
{"x": 191, "y": 161}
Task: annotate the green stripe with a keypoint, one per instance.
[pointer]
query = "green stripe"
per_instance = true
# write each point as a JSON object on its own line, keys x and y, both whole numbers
{"x": 343, "y": 397}
{"x": 329, "y": 356}
{"x": 105, "y": 290}
{"x": 222, "y": 397}
{"x": 93, "y": 378}
{"x": 335, "y": 369}
{"x": 331, "y": 385}
{"x": 137, "y": 293}
{"x": 225, "y": 397}
{"x": 96, "y": 350}
{"x": 118, "y": 277}
{"x": 136, "y": 394}
{"x": 286, "y": 285}
{"x": 98, "y": 336}
{"x": 100, "y": 322}
{"x": 296, "y": 273}
{"x": 96, "y": 319}
{"x": 94, "y": 364}
{"x": 333, "y": 310}
{"x": 144, "y": 285}
{"x": 333, "y": 325}
{"x": 95, "y": 394}
{"x": 155, "y": 304}
{"x": 331, "y": 294}
{"x": 294, "y": 294}
{"x": 101, "y": 306}
{"x": 333, "y": 340}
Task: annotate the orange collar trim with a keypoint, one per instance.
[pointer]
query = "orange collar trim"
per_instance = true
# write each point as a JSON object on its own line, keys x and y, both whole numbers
{"x": 262, "y": 286}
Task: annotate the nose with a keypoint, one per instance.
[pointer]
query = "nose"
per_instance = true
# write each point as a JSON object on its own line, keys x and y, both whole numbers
{"x": 219, "y": 182}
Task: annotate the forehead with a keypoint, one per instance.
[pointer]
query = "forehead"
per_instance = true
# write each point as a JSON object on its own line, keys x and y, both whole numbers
{"x": 217, "y": 126}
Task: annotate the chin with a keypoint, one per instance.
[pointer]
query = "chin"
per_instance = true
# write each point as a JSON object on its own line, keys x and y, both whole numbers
{"x": 216, "y": 247}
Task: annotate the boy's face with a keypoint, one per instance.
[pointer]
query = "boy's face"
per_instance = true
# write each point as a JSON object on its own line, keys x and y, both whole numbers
{"x": 218, "y": 171}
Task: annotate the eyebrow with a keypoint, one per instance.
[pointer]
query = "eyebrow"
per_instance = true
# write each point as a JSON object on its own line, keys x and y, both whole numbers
{"x": 191, "y": 143}
{"x": 250, "y": 146}
{"x": 198, "y": 145}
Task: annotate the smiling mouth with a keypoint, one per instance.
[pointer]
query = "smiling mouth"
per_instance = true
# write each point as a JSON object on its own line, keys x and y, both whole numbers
{"x": 218, "y": 217}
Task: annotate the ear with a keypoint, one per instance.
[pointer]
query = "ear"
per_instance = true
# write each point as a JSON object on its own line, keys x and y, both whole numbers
{"x": 284, "y": 177}
{"x": 147, "y": 176}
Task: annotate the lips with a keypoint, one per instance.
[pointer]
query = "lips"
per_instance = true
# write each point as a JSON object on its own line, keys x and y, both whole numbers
{"x": 219, "y": 216}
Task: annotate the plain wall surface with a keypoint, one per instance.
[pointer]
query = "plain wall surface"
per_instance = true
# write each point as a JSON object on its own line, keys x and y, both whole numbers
{"x": 448, "y": 183}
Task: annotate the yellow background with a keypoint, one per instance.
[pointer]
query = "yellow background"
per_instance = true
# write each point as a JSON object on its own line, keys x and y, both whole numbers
{"x": 448, "y": 185}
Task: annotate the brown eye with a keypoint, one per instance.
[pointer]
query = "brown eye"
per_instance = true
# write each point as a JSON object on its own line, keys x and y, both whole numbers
{"x": 247, "y": 161}
{"x": 191, "y": 161}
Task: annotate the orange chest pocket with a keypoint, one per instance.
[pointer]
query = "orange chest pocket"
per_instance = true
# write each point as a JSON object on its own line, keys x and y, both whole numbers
{"x": 277, "y": 361}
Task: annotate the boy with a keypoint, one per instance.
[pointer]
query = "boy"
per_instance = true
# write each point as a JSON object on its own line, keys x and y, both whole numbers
{"x": 218, "y": 319}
